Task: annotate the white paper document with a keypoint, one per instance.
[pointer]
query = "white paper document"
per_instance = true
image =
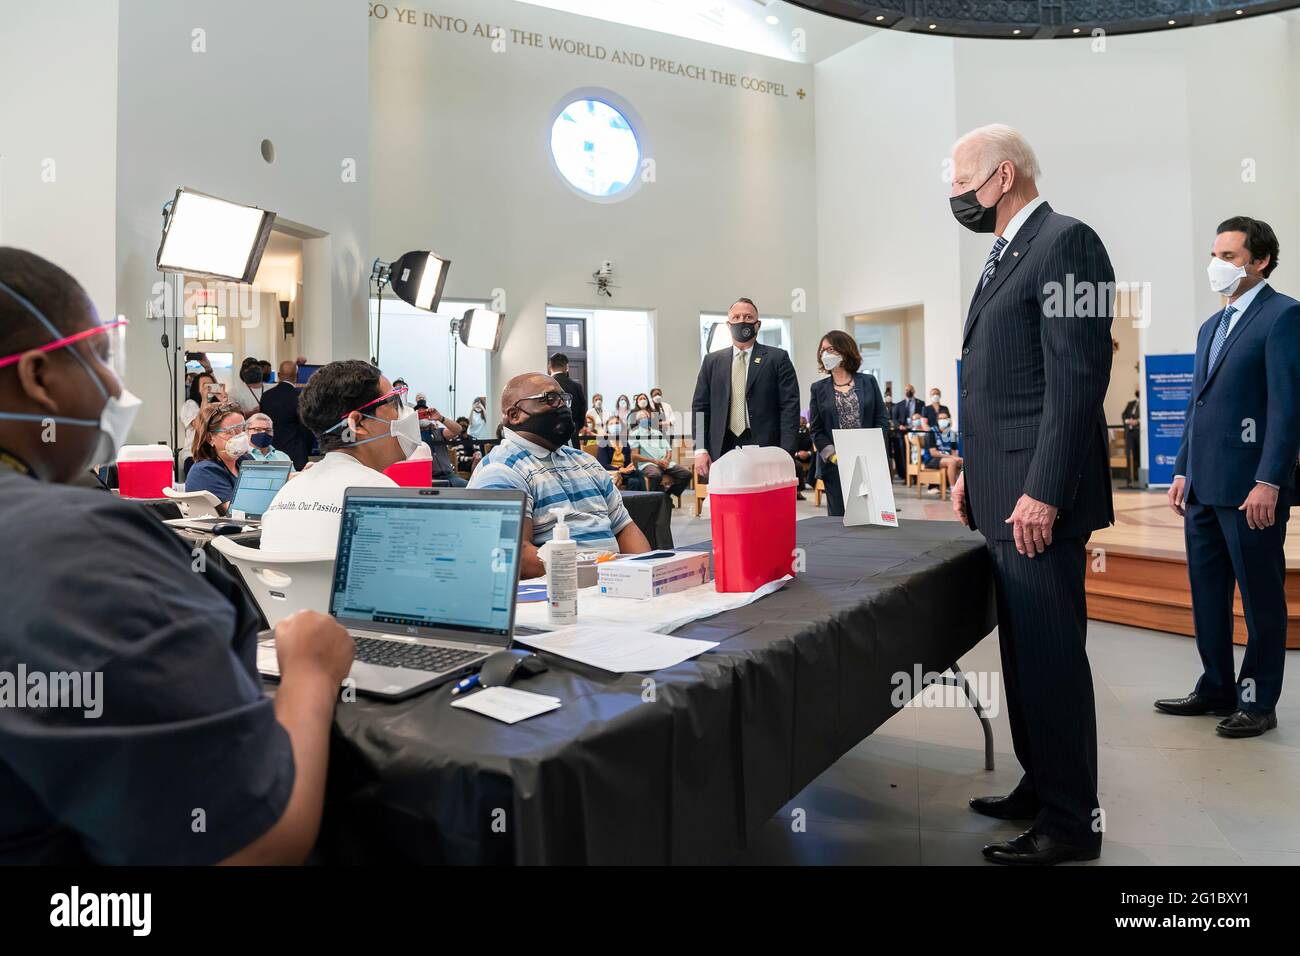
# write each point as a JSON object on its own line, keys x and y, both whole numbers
{"x": 616, "y": 649}
{"x": 507, "y": 704}
{"x": 663, "y": 614}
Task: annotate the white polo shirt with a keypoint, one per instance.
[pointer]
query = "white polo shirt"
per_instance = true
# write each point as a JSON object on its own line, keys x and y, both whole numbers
{"x": 304, "y": 515}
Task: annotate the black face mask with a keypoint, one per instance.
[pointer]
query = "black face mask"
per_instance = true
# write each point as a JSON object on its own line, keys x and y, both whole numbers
{"x": 968, "y": 211}
{"x": 743, "y": 331}
{"x": 554, "y": 424}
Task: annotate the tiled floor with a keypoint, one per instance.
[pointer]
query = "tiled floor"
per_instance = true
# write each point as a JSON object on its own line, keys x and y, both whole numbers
{"x": 1174, "y": 792}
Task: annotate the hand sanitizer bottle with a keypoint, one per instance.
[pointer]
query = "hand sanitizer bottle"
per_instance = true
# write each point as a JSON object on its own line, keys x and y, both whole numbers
{"x": 561, "y": 574}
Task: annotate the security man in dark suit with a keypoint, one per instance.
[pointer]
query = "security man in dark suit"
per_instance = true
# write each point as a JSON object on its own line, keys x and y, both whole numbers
{"x": 1036, "y": 357}
{"x": 281, "y": 403}
{"x": 902, "y": 418}
{"x": 745, "y": 395}
{"x": 1234, "y": 481}
{"x": 559, "y": 367}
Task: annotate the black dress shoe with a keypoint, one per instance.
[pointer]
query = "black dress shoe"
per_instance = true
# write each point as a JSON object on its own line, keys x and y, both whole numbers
{"x": 1033, "y": 848}
{"x": 1193, "y": 705}
{"x": 1246, "y": 723}
{"x": 1004, "y": 808}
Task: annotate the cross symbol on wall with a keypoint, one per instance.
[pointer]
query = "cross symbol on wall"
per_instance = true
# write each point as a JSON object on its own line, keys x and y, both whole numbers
{"x": 800, "y": 93}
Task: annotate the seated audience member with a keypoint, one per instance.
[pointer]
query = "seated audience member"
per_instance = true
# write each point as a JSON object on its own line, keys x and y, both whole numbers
{"x": 439, "y": 433}
{"x": 363, "y": 425}
{"x": 942, "y": 448}
{"x": 597, "y": 409}
{"x": 653, "y": 455}
{"x": 917, "y": 426}
{"x": 615, "y": 455}
{"x": 179, "y": 716}
{"x": 220, "y": 444}
{"x": 533, "y": 457}
{"x": 467, "y": 453}
{"x": 622, "y": 407}
{"x": 590, "y": 428}
{"x": 261, "y": 435}
{"x": 280, "y": 401}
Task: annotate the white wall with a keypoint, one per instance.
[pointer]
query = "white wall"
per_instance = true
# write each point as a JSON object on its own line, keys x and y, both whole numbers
{"x": 58, "y": 127}
{"x": 1144, "y": 141}
{"x": 290, "y": 72}
{"x": 886, "y": 240}
{"x": 460, "y": 154}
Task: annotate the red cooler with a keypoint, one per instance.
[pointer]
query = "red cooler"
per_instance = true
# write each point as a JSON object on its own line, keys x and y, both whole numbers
{"x": 751, "y": 505}
{"x": 417, "y": 473}
{"x": 143, "y": 471}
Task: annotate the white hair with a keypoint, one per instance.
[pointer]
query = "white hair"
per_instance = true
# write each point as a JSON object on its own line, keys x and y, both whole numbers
{"x": 998, "y": 143}
{"x": 259, "y": 416}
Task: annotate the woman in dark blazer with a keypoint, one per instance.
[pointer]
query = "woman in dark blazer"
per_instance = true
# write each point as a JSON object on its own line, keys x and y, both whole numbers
{"x": 615, "y": 454}
{"x": 846, "y": 399}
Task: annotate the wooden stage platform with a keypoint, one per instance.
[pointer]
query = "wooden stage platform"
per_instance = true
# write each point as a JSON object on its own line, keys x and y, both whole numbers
{"x": 1144, "y": 581}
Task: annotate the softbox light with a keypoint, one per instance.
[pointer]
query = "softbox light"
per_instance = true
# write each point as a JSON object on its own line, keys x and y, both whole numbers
{"x": 481, "y": 329}
{"x": 213, "y": 238}
{"x": 418, "y": 277}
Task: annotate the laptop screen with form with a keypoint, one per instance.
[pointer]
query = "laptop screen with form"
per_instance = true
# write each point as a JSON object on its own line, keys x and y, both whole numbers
{"x": 439, "y": 562}
{"x": 258, "y": 483}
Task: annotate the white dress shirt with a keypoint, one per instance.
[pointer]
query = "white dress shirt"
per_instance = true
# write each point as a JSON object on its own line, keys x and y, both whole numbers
{"x": 1017, "y": 221}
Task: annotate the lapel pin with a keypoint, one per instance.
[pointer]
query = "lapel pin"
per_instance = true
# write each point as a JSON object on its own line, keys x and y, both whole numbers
{"x": 1015, "y": 253}
{"x": 757, "y": 359}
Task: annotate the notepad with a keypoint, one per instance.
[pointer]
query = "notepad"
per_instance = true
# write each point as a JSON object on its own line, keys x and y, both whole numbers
{"x": 507, "y": 704}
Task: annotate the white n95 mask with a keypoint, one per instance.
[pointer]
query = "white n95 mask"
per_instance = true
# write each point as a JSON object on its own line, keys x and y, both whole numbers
{"x": 1224, "y": 276}
{"x": 831, "y": 360}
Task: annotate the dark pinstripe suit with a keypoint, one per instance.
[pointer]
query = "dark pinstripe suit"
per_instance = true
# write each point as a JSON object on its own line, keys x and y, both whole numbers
{"x": 1033, "y": 381}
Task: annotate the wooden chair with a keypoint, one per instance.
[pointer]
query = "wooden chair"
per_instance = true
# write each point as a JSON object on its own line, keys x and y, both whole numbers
{"x": 925, "y": 476}
{"x": 817, "y": 492}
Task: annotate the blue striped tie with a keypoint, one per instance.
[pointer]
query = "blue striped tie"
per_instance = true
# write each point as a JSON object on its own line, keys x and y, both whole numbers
{"x": 1220, "y": 336}
{"x": 991, "y": 263}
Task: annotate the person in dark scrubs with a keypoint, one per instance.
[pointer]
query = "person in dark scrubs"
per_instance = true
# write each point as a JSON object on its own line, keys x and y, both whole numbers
{"x": 161, "y": 747}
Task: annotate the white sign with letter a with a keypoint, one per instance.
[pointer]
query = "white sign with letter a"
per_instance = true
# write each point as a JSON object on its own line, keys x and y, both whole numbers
{"x": 864, "y": 477}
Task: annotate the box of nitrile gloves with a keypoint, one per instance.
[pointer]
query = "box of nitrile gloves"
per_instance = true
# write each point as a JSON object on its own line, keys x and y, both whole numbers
{"x": 653, "y": 573}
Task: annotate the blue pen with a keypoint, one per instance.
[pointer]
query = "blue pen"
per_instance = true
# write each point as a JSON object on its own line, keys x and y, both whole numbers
{"x": 468, "y": 683}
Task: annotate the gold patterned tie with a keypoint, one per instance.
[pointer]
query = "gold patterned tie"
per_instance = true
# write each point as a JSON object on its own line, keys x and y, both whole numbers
{"x": 738, "y": 411}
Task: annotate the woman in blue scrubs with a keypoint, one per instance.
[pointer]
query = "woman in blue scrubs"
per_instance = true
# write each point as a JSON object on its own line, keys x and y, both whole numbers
{"x": 220, "y": 443}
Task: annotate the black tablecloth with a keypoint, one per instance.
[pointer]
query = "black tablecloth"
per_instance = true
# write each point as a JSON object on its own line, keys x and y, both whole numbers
{"x": 684, "y": 771}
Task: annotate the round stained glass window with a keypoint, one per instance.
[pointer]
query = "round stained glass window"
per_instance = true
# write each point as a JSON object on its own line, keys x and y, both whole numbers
{"x": 595, "y": 148}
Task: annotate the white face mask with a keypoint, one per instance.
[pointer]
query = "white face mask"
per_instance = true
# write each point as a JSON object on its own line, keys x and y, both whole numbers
{"x": 943, "y": 424}
{"x": 406, "y": 429}
{"x": 831, "y": 360}
{"x": 1224, "y": 276}
{"x": 642, "y": 403}
{"x": 238, "y": 446}
{"x": 935, "y": 398}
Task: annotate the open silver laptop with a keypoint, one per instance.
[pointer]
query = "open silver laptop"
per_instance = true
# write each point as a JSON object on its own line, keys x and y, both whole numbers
{"x": 425, "y": 582}
{"x": 255, "y": 489}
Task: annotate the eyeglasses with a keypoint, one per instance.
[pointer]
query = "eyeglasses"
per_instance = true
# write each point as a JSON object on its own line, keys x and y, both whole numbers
{"x": 549, "y": 399}
{"x": 396, "y": 398}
